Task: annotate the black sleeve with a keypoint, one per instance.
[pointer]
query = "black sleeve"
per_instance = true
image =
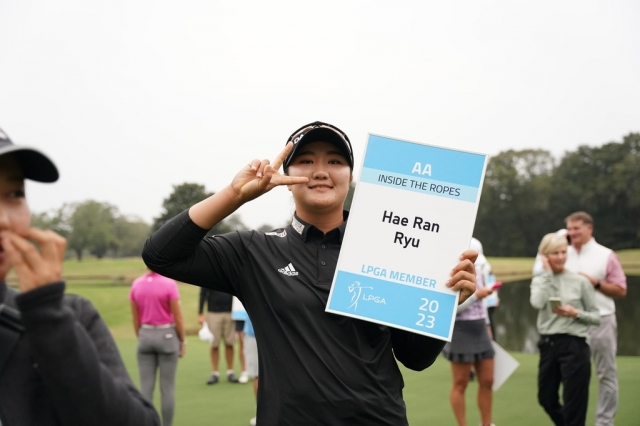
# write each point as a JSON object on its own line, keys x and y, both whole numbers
{"x": 179, "y": 251}
{"x": 415, "y": 351}
{"x": 203, "y": 297}
{"x": 81, "y": 369}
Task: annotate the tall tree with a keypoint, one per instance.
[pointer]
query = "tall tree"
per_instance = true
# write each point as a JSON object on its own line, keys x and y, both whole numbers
{"x": 131, "y": 233}
{"x": 605, "y": 182}
{"x": 513, "y": 210}
{"x": 56, "y": 220}
{"x": 186, "y": 195}
{"x": 93, "y": 228}
{"x": 181, "y": 198}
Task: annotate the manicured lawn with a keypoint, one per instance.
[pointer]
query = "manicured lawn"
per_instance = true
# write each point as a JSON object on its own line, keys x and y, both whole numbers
{"x": 426, "y": 393}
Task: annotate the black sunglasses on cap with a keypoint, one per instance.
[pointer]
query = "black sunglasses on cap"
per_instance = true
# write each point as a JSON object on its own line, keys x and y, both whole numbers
{"x": 319, "y": 131}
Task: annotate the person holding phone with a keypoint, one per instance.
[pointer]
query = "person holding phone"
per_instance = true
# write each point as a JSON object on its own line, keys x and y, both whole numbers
{"x": 316, "y": 368}
{"x": 566, "y": 308}
{"x": 59, "y": 364}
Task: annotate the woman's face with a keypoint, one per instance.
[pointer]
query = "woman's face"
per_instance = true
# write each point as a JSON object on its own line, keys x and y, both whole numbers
{"x": 14, "y": 212}
{"x": 329, "y": 177}
{"x": 557, "y": 258}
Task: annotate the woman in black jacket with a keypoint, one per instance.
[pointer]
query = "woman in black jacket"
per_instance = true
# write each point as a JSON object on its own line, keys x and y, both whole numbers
{"x": 316, "y": 368}
{"x": 58, "y": 362}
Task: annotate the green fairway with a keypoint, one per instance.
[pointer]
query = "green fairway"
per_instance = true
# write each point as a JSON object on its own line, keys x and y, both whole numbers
{"x": 426, "y": 393}
{"x": 518, "y": 268}
{"x": 124, "y": 270}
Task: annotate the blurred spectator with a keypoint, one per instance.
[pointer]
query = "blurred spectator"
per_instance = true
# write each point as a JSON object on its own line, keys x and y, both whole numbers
{"x": 566, "y": 307}
{"x": 471, "y": 346}
{"x": 59, "y": 364}
{"x": 223, "y": 328}
{"x": 602, "y": 268}
{"x": 537, "y": 264}
{"x": 158, "y": 324}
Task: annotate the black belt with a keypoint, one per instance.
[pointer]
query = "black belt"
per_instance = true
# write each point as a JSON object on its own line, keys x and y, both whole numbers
{"x": 554, "y": 337}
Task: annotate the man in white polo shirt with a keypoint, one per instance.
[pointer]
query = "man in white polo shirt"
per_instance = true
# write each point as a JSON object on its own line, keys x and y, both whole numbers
{"x": 602, "y": 267}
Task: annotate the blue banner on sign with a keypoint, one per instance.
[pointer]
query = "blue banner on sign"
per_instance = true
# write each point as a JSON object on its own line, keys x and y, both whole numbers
{"x": 413, "y": 159}
{"x": 410, "y": 307}
{"x": 419, "y": 185}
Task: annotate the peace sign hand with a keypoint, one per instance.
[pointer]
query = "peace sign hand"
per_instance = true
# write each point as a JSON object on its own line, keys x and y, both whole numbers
{"x": 259, "y": 177}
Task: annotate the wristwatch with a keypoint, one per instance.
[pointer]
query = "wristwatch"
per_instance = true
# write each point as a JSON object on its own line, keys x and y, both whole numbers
{"x": 597, "y": 286}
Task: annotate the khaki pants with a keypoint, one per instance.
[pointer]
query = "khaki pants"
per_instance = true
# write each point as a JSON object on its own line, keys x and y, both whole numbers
{"x": 222, "y": 327}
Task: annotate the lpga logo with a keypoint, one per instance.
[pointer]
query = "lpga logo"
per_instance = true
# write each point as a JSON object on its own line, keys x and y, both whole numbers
{"x": 357, "y": 294}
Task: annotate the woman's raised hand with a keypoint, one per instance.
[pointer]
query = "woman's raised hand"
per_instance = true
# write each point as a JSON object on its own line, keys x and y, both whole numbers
{"x": 259, "y": 177}
{"x": 34, "y": 267}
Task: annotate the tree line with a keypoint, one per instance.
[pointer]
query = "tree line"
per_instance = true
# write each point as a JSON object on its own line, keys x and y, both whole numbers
{"x": 528, "y": 193}
{"x": 99, "y": 229}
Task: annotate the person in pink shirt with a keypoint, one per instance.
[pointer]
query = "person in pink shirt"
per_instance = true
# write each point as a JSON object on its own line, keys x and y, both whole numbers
{"x": 157, "y": 321}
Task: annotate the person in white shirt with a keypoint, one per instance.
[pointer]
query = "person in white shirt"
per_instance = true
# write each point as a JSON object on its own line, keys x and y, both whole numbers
{"x": 602, "y": 267}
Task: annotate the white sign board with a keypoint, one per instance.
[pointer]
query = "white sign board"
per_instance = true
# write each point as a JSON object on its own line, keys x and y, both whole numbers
{"x": 503, "y": 366}
{"x": 412, "y": 216}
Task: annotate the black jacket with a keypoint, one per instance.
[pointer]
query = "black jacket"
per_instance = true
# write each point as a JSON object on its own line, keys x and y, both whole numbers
{"x": 316, "y": 368}
{"x": 217, "y": 301}
{"x": 64, "y": 368}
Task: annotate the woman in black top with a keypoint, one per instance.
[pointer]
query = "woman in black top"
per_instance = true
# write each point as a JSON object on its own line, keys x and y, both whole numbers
{"x": 316, "y": 368}
{"x": 59, "y": 364}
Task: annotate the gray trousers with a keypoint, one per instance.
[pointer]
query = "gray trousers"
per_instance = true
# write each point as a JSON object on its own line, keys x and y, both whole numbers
{"x": 158, "y": 350}
{"x": 604, "y": 345}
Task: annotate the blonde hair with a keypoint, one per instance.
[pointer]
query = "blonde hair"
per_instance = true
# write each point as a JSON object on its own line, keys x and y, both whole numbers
{"x": 551, "y": 242}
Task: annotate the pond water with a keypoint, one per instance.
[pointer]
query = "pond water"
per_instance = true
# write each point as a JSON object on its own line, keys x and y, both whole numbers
{"x": 515, "y": 319}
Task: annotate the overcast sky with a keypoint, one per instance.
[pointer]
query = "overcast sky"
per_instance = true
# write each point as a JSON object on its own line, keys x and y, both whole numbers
{"x": 132, "y": 97}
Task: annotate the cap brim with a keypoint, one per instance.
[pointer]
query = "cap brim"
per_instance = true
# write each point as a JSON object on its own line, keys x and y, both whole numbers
{"x": 323, "y": 135}
{"x": 35, "y": 165}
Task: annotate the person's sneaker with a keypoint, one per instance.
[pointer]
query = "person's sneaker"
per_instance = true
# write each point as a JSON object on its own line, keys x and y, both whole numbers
{"x": 244, "y": 378}
{"x": 252, "y": 422}
{"x": 232, "y": 378}
{"x": 213, "y": 379}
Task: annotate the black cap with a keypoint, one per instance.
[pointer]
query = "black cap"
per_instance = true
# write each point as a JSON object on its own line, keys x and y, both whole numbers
{"x": 35, "y": 165}
{"x": 319, "y": 131}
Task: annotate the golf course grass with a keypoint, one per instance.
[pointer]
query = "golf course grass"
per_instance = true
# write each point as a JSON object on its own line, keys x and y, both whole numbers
{"x": 426, "y": 393}
{"x": 106, "y": 283}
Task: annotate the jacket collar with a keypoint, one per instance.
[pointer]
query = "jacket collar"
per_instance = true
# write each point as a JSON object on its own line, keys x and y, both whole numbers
{"x": 303, "y": 228}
